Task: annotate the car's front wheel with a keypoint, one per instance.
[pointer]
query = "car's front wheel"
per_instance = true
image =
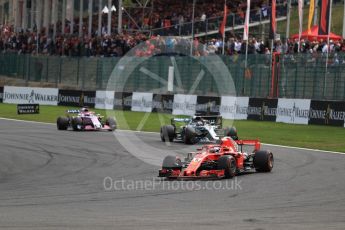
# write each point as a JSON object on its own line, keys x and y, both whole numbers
{"x": 228, "y": 164}
{"x": 167, "y": 133}
{"x": 77, "y": 124}
{"x": 189, "y": 135}
{"x": 171, "y": 162}
{"x": 62, "y": 123}
{"x": 263, "y": 161}
{"x": 111, "y": 123}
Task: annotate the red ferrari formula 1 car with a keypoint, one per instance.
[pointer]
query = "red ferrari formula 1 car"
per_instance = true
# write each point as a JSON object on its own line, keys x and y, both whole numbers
{"x": 223, "y": 160}
{"x": 84, "y": 120}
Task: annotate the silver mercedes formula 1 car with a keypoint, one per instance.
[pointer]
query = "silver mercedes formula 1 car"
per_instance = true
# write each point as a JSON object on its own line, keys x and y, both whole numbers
{"x": 195, "y": 129}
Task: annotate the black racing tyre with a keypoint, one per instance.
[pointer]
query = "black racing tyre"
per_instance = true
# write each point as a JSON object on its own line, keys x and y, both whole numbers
{"x": 77, "y": 124}
{"x": 111, "y": 123}
{"x": 263, "y": 161}
{"x": 171, "y": 162}
{"x": 231, "y": 132}
{"x": 189, "y": 135}
{"x": 62, "y": 123}
{"x": 228, "y": 164}
{"x": 167, "y": 133}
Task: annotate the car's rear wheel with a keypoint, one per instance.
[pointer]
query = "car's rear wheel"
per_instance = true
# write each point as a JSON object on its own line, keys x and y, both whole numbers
{"x": 263, "y": 161}
{"x": 111, "y": 123}
{"x": 77, "y": 124}
{"x": 228, "y": 164}
{"x": 167, "y": 133}
{"x": 62, "y": 123}
{"x": 189, "y": 135}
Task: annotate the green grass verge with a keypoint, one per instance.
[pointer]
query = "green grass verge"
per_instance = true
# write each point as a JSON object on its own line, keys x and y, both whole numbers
{"x": 311, "y": 136}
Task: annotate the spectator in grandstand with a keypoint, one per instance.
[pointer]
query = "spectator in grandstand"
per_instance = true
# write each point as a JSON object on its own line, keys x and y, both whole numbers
{"x": 26, "y": 42}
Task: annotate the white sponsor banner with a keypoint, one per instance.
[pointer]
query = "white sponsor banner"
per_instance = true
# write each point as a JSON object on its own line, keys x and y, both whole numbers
{"x": 142, "y": 102}
{"x": 30, "y": 95}
{"x": 184, "y": 104}
{"x": 104, "y": 100}
{"x": 234, "y": 107}
{"x": 293, "y": 111}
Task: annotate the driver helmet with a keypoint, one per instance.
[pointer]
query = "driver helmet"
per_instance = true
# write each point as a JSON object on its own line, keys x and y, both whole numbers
{"x": 216, "y": 149}
{"x": 84, "y": 109}
{"x": 232, "y": 132}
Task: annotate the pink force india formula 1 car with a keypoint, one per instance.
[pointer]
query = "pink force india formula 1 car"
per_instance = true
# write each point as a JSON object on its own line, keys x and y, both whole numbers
{"x": 85, "y": 120}
{"x": 223, "y": 160}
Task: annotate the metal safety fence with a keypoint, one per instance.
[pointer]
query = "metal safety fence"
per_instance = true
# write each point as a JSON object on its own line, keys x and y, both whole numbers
{"x": 314, "y": 76}
{"x": 295, "y": 76}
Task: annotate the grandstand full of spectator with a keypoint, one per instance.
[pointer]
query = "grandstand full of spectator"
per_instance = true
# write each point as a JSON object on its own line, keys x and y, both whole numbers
{"x": 68, "y": 41}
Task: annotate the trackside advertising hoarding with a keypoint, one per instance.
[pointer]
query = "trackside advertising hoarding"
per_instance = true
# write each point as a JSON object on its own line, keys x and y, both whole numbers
{"x": 286, "y": 110}
{"x": 28, "y": 109}
{"x": 234, "y": 108}
{"x": 70, "y": 97}
{"x": 142, "y": 102}
{"x": 184, "y": 104}
{"x": 1, "y": 93}
{"x": 293, "y": 111}
{"x": 207, "y": 105}
{"x": 327, "y": 113}
{"x": 162, "y": 103}
{"x": 262, "y": 109}
{"x": 104, "y": 99}
{"x": 30, "y": 95}
{"x": 88, "y": 98}
{"x": 123, "y": 101}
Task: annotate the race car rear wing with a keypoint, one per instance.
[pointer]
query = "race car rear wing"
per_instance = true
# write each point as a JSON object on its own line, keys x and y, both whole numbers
{"x": 213, "y": 120}
{"x": 73, "y": 111}
{"x": 77, "y": 110}
{"x": 255, "y": 143}
{"x": 186, "y": 120}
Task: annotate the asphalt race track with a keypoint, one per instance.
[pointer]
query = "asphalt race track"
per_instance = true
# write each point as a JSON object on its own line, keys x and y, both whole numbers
{"x": 53, "y": 179}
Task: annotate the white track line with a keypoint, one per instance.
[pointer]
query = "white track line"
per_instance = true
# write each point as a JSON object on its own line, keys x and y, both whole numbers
{"x": 135, "y": 131}
{"x": 299, "y": 148}
{"x": 34, "y": 122}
